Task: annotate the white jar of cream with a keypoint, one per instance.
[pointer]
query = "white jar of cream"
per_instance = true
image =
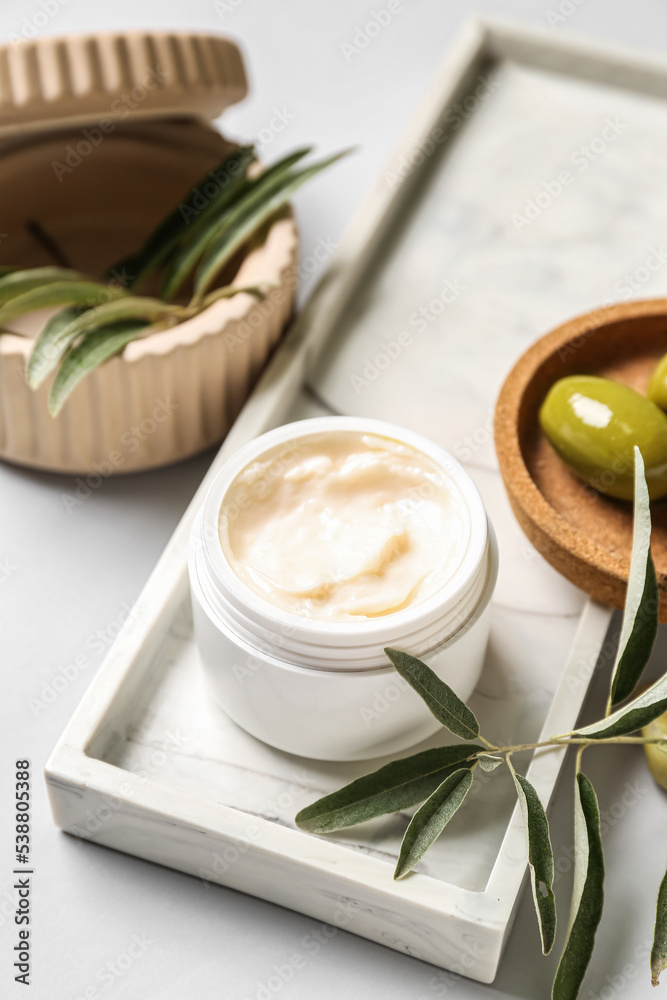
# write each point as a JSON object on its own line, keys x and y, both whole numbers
{"x": 319, "y": 544}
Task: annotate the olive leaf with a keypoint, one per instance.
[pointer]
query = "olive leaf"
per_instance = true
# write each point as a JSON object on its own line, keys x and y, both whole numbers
{"x": 640, "y": 618}
{"x": 242, "y": 224}
{"x": 638, "y": 631}
{"x": 67, "y": 326}
{"x": 440, "y": 700}
{"x": 15, "y": 282}
{"x": 92, "y": 351}
{"x": 587, "y": 893}
{"x": 57, "y": 293}
{"x": 238, "y": 209}
{"x": 540, "y": 857}
{"x": 50, "y": 345}
{"x": 395, "y": 786}
{"x": 488, "y": 762}
{"x": 229, "y": 291}
{"x": 659, "y": 949}
{"x": 633, "y": 716}
{"x": 430, "y": 819}
{"x": 113, "y": 319}
{"x": 250, "y": 195}
{"x": 132, "y": 307}
{"x": 170, "y": 231}
{"x": 182, "y": 262}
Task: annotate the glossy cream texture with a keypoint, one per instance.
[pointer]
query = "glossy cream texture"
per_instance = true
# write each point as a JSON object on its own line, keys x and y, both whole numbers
{"x": 343, "y": 526}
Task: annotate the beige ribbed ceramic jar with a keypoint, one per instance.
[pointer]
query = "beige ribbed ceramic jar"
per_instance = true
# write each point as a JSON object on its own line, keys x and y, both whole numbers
{"x": 100, "y": 136}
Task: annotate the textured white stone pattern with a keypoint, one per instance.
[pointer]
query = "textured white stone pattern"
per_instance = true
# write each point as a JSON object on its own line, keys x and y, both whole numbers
{"x": 518, "y": 283}
{"x": 487, "y": 283}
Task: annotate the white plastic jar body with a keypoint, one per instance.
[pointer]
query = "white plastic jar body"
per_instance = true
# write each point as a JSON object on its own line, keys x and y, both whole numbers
{"x": 324, "y": 689}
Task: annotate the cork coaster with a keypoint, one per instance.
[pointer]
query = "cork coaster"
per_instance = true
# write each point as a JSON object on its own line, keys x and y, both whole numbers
{"x": 584, "y": 535}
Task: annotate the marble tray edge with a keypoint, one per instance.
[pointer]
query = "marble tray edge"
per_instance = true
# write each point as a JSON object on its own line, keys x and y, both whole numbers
{"x": 115, "y": 808}
{"x": 79, "y": 783}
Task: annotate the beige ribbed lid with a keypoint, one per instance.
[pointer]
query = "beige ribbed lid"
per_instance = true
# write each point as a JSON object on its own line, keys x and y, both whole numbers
{"x": 55, "y": 81}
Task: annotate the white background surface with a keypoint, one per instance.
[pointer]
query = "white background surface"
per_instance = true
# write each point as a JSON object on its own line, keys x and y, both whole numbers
{"x": 67, "y": 575}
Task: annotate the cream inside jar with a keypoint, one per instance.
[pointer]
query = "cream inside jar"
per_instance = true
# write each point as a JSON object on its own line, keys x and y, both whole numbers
{"x": 344, "y": 526}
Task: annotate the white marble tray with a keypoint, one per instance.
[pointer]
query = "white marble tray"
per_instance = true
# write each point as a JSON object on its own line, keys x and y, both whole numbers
{"x": 147, "y": 765}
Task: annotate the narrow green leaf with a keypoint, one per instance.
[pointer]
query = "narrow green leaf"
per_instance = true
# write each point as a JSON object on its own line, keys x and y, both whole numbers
{"x": 440, "y": 700}
{"x": 57, "y": 293}
{"x": 395, "y": 786}
{"x": 65, "y": 328}
{"x": 640, "y": 617}
{"x": 430, "y": 819}
{"x": 587, "y": 894}
{"x": 488, "y": 762}
{"x": 49, "y": 346}
{"x": 91, "y": 352}
{"x": 182, "y": 262}
{"x": 633, "y": 716}
{"x": 17, "y": 282}
{"x": 251, "y": 194}
{"x": 540, "y": 858}
{"x": 62, "y": 330}
{"x": 129, "y": 307}
{"x": 167, "y": 234}
{"x": 659, "y": 949}
{"x": 279, "y": 168}
{"x": 222, "y": 249}
{"x": 229, "y": 291}
{"x": 13, "y": 333}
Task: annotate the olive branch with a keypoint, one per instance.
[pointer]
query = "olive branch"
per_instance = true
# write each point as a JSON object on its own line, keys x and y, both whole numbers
{"x": 441, "y": 778}
{"x": 97, "y": 319}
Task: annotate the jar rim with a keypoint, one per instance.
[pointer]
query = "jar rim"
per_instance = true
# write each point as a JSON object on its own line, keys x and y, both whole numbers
{"x": 296, "y": 665}
{"x": 455, "y": 599}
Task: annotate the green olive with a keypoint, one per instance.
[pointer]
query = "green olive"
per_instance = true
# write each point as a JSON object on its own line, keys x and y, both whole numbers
{"x": 656, "y": 753}
{"x": 594, "y": 423}
{"x": 657, "y": 387}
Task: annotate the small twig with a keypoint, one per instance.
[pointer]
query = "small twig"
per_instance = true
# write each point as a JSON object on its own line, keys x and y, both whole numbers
{"x": 47, "y": 242}
{"x": 559, "y": 741}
